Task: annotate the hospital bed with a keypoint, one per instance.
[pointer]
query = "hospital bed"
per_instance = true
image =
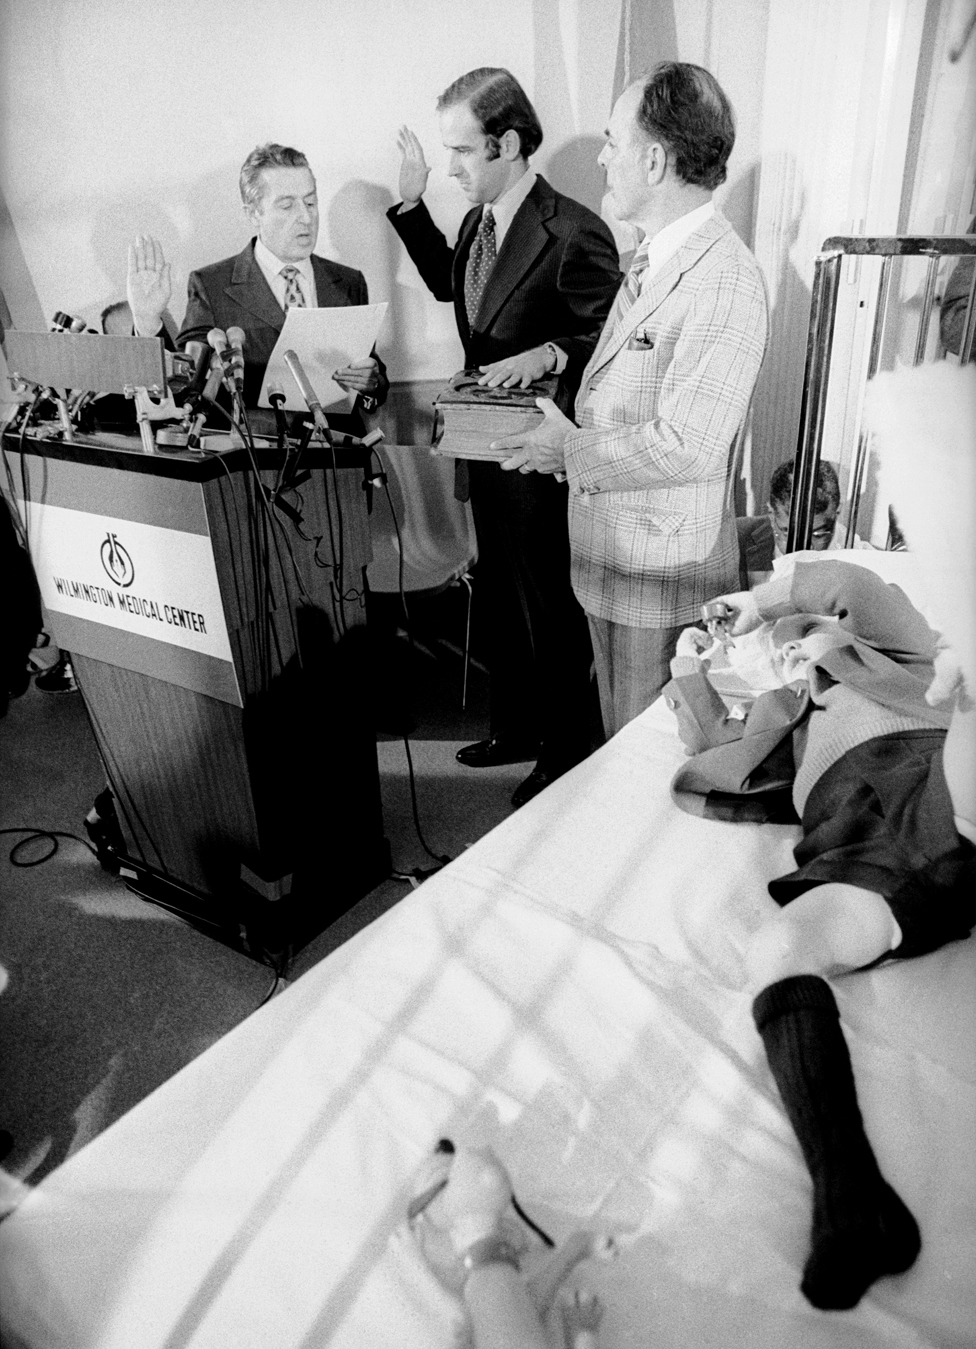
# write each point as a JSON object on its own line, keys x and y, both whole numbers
{"x": 569, "y": 990}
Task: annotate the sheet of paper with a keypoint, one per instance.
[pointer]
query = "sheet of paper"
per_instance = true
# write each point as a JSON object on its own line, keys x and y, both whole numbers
{"x": 324, "y": 340}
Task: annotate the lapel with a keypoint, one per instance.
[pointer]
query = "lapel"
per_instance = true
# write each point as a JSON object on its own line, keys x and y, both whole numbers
{"x": 740, "y": 766}
{"x": 248, "y": 289}
{"x": 524, "y": 241}
{"x": 327, "y": 292}
{"x": 621, "y": 326}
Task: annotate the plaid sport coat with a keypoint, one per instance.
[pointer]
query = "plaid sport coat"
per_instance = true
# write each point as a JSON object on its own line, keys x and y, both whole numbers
{"x": 651, "y": 526}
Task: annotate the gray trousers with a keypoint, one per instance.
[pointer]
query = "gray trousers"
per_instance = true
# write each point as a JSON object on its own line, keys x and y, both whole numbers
{"x": 632, "y": 667}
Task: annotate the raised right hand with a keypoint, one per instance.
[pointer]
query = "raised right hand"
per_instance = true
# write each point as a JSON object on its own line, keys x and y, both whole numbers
{"x": 148, "y": 284}
{"x": 414, "y": 169}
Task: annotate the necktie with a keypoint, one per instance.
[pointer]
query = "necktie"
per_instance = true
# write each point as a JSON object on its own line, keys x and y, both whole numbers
{"x": 481, "y": 259}
{"x": 631, "y": 288}
{"x": 294, "y": 298}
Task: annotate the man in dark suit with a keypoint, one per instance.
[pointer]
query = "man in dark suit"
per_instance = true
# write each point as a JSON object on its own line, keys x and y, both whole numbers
{"x": 254, "y": 289}
{"x": 533, "y": 275}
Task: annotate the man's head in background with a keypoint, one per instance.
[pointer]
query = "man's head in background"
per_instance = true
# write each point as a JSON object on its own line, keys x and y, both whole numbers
{"x": 827, "y": 506}
{"x": 280, "y": 200}
{"x": 489, "y": 128}
{"x": 116, "y": 319}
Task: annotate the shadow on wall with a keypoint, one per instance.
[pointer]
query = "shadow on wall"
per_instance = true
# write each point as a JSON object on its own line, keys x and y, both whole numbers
{"x": 15, "y": 279}
{"x": 360, "y": 236}
{"x": 776, "y": 419}
{"x": 573, "y": 170}
{"x": 212, "y": 227}
{"x": 114, "y": 224}
{"x": 738, "y": 204}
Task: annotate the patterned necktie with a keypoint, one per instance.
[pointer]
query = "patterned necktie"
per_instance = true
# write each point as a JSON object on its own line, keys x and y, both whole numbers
{"x": 631, "y": 287}
{"x": 294, "y": 298}
{"x": 481, "y": 259}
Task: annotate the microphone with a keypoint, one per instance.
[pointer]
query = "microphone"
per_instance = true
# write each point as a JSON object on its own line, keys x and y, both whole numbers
{"x": 217, "y": 339}
{"x": 206, "y": 398}
{"x": 307, "y": 392}
{"x": 192, "y": 392}
{"x": 64, "y": 323}
{"x": 276, "y": 397}
{"x": 235, "y": 340}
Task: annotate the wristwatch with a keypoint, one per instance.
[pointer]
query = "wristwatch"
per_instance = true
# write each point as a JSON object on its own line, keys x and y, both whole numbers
{"x": 553, "y": 352}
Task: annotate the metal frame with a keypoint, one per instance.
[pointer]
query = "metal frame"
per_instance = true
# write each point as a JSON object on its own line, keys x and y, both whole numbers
{"x": 823, "y": 311}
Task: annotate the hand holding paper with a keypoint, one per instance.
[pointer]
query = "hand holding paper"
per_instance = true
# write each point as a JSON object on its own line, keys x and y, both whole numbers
{"x": 334, "y": 346}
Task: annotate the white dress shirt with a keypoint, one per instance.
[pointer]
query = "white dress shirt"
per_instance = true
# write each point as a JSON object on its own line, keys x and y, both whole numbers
{"x": 271, "y": 268}
{"x": 663, "y": 246}
{"x": 505, "y": 208}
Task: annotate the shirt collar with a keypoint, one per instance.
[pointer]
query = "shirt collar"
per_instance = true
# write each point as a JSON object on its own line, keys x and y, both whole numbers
{"x": 505, "y": 208}
{"x": 272, "y": 265}
{"x": 667, "y": 241}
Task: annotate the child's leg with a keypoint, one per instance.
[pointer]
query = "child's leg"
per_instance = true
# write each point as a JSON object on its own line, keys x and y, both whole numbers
{"x": 828, "y": 930}
{"x": 861, "y": 1229}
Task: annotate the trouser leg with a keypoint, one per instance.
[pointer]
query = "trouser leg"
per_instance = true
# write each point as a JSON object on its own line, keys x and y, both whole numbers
{"x": 632, "y": 667}
{"x": 539, "y": 653}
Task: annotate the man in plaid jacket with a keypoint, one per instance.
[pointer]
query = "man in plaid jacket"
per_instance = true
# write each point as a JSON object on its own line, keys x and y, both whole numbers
{"x": 651, "y": 525}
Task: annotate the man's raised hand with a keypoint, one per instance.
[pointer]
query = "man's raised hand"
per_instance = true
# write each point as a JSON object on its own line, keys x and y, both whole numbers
{"x": 414, "y": 169}
{"x": 148, "y": 285}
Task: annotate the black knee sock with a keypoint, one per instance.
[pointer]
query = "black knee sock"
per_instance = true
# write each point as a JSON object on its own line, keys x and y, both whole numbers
{"x": 861, "y": 1229}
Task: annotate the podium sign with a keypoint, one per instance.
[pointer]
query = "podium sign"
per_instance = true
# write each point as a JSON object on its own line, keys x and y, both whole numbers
{"x": 157, "y": 583}
{"x": 135, "y": 585}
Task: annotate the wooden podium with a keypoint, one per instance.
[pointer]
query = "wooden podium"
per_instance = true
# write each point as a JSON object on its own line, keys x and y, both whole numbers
{"x": 220, "y": 647}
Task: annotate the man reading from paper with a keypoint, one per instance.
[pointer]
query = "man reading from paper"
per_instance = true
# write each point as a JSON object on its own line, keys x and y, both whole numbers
{"x": 254, "y": 289}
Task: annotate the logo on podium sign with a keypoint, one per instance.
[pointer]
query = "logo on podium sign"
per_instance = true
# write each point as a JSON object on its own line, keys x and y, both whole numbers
{"x": 117, "y": 562}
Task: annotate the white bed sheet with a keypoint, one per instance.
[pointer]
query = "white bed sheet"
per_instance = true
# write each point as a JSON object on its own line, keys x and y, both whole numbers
{"x": 568, "y": 990}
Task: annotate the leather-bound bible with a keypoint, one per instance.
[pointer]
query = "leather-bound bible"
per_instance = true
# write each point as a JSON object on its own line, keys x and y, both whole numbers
{"x": 469, "y": 416}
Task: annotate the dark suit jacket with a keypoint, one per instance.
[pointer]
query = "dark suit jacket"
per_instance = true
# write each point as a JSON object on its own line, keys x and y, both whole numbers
{"x": 554, "y": 281}
{"x": 234, "y": 293}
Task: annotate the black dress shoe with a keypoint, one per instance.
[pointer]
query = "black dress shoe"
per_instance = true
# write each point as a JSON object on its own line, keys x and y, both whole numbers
{"x": 537, "y": 781}
{"x": 500, "y": 749}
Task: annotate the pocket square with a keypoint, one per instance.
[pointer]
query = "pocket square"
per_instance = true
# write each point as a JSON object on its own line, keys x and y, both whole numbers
{"x": 641, "y": 340}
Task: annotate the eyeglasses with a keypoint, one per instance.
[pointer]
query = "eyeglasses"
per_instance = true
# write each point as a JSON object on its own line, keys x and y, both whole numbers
{"x": 822, "y": 532}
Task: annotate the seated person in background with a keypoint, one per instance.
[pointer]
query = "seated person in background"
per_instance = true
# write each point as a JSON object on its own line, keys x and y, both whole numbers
{"x": 253, "y": 290}
{"x": 860, "y": 727}
{"x": 952, "y": 314}
{"x": 116, "y": 319}
{"x": 762, "y": 538}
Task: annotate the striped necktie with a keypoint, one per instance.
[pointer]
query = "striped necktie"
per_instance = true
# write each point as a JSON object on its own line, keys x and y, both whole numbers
{"x": 294, "y": 297}
{"x": 481, "y": 260}
{"x": 631, "y": 287}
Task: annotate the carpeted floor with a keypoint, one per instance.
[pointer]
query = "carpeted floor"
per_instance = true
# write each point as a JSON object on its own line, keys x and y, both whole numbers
{"x": 106, "y": 995}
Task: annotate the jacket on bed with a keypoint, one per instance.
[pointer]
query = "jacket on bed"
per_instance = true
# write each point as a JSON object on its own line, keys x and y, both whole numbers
{"x": 743, "y": 767}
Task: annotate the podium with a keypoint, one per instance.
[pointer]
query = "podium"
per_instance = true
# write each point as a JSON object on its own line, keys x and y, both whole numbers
{"x": 219, "y": 643}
